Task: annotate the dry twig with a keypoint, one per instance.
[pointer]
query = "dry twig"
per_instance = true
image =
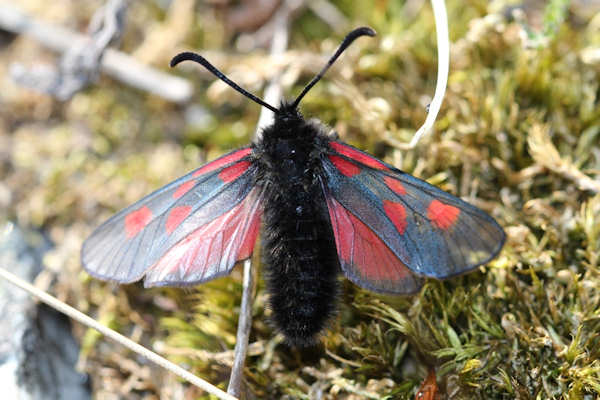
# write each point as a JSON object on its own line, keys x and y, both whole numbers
{"x": 114, "y": 63}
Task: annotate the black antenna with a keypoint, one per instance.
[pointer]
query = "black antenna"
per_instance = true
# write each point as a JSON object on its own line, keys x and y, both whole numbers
{"x": 188, "y": 56}
{"x": 358, "y": 32}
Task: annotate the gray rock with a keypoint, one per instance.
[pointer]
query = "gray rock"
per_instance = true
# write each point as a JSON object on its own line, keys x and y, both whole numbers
{"x": 37, "y": 351}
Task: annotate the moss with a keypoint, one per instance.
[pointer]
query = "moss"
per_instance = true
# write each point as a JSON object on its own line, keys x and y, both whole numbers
{"x": 518, "y": 136}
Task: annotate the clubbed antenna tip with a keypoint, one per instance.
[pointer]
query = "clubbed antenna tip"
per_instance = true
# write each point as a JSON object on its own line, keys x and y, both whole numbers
{"x": 351, "y": 37}
{"x": 188, "y": 56}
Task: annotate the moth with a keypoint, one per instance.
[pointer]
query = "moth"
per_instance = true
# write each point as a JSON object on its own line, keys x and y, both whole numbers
{"x": 325, "y": 207}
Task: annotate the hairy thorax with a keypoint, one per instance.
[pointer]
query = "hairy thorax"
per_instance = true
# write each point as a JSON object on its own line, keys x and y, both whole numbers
{"x": 300, "y": 257}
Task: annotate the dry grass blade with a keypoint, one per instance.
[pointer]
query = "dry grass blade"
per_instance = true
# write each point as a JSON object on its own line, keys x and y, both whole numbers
{"x": 545, "y": 153}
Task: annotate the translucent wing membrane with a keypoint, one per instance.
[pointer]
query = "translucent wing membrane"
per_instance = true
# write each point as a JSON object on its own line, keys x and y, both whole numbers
{"x": 430, "y": 231}
{"x": 212, "y": 249}
{"x": 190, "y": 231}
{"x": 364, "y": 258}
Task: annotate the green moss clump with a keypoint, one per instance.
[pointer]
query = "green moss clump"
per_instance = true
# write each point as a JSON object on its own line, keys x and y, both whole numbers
{"x": 518, "y": 135}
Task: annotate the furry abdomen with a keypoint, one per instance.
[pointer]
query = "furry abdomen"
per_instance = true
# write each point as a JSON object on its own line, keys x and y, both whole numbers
{"x": 300, "y": 269}
{"x": 300, "y": 257}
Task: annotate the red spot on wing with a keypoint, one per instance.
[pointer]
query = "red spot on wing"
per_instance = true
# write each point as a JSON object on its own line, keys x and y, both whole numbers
{"x": 213, "y": 248}
{"x": 357, "y": 155}
{"x": 396, "y": 213}
{"x": 360, "y": 247}
{"x": 394, "y": 185}
{"x": 183, "y": 189}
{"x": 137, "y": 220}
{"x": 220, "y": 162}
{"x": 344, "y": 166}
{"x": 176, "y": 217}
{"x": 233, "y": 172}
{"x": 442, "y": 215}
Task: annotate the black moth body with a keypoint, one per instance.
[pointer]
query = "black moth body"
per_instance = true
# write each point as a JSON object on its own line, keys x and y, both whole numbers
{"x": 301, "y": 264}
{"x": 325, "y": 208}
